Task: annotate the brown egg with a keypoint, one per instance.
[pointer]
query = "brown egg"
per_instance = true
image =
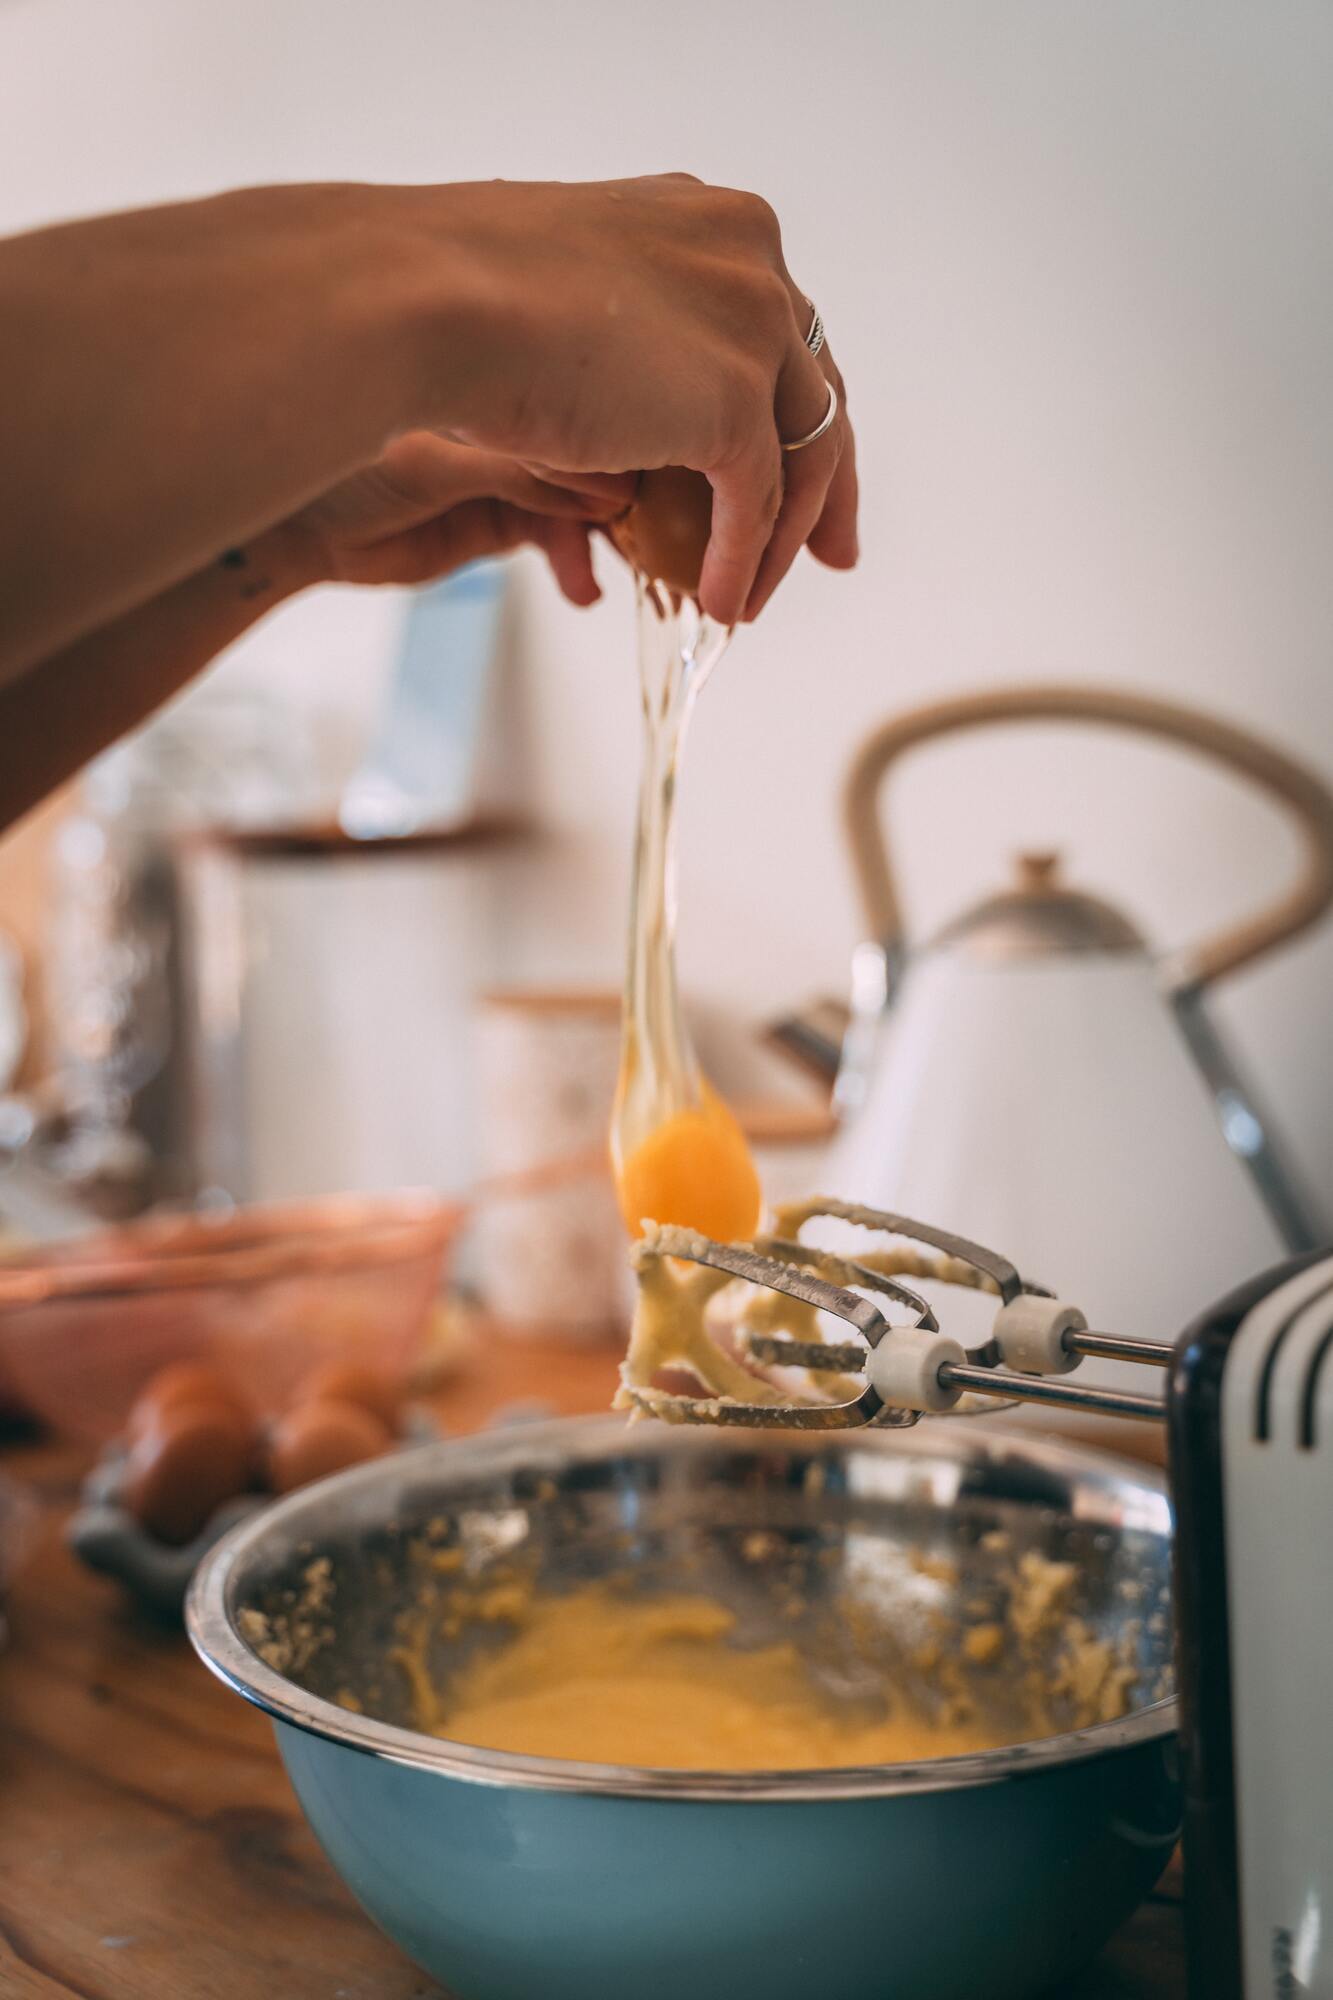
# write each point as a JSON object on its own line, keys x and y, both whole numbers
{"x": 184, "y": 1382}
{"x": 665, "y": 532}
{"x": 318, "y": 1438}
{"x": 183, "y": 1465}
{"x": 354, "y": 1382}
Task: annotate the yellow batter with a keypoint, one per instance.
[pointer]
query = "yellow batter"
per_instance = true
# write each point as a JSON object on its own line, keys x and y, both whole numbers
{"x": 605, "y": 1674}
{"x": 599, "y": 1677}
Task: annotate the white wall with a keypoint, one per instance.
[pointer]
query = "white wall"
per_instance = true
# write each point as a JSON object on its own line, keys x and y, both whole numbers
{"x": 1077, "y": 263}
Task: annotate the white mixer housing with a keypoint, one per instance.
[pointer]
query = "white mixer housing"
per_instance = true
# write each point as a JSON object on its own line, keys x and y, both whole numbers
{"x": 1277, "y": 1456}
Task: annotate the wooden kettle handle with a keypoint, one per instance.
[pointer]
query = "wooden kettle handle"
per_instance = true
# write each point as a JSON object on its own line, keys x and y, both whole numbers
{"x": 1304, "y": 795}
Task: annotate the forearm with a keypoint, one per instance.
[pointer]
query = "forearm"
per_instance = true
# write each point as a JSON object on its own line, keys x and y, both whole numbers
{"x": 61, "y": 713}
{"x": 174, "y": 380}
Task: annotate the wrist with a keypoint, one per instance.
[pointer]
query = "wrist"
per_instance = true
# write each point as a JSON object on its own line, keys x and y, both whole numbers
{"x": 431, "y": 296}
{"x": 271, "y": 567}
{"x": 372, "y": 294}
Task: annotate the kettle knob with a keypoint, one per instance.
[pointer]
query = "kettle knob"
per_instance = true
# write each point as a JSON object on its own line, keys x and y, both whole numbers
{"x": 1037, "y": 872}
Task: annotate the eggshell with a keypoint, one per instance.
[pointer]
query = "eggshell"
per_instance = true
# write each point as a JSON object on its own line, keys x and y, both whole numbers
{"x": 184, "y": 1464}
{"x": 354, "y": 1382}
{"x": 315, "y": 1439}
{"x": 665, "y": 532}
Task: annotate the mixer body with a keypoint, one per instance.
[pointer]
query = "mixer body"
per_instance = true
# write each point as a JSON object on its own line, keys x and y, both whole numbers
{"x": 1250, "y": 1418}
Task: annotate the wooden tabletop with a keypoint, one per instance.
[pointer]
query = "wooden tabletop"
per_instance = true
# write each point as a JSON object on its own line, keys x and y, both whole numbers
{"x": 150, "y": 1848}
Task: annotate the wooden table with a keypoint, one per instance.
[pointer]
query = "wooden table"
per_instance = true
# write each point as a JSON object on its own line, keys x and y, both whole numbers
{"x": 150, "y": 1848}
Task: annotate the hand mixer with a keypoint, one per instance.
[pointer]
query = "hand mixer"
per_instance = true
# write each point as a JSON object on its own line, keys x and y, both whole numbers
{"x": 1249, "y": 1414}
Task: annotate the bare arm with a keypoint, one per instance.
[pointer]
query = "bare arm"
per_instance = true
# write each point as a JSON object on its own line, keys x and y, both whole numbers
{"x": 174, "y": 381}
{"x": 421, "y": 510}
{"x": 56, "y": 717}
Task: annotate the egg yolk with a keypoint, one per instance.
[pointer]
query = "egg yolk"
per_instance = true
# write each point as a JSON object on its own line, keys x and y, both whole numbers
{"x": 694, "y": 1170}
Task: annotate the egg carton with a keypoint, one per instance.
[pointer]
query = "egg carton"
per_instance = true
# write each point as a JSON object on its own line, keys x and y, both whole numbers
{"x": 106, "y": 1537}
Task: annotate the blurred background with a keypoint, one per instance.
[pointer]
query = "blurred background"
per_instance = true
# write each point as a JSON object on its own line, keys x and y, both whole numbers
{"x": 1076, "y": 262}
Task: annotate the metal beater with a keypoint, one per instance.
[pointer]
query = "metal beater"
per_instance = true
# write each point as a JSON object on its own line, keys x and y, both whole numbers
{"x": 909, "y": 1369}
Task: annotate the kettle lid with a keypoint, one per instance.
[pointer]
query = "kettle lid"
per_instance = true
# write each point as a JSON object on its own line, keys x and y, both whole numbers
{"x": 1040, "y": 916}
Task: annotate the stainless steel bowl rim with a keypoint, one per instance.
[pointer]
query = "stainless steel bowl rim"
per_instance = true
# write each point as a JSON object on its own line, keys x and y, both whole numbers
{"x": 223, "y": 1650}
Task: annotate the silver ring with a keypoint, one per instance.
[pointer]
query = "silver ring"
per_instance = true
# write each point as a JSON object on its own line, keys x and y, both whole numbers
{"x": 814, "y": 339}
{"x": 825, "y": 424}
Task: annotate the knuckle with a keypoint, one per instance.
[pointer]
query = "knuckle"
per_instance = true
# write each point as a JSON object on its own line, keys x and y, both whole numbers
{"x": 763, "y": 219}
{"x": 767, "y": 310}
{"x": 777, "y": 303}
{"x": 750, "y": 214}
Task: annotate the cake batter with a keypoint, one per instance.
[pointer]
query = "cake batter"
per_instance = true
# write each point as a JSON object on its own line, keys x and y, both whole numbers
{"x": 600, "y": 1677}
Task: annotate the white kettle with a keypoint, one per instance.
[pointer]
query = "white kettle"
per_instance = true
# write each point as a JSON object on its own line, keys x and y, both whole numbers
{"x": 1034, "y": 1079}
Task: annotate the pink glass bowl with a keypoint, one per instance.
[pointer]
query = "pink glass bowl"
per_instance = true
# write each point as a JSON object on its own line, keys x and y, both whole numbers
{"x": 263, "y": 1294}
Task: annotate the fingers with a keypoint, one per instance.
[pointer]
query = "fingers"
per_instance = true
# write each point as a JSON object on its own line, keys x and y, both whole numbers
{"x": 835, "y": 540}
{"x": 421, "y": 474}
{"x": 800, "y": 405}
{"x": 491, "y": 528}
{"x": 616, "y": 488}
{"x": 802, "y": 506}
{"x": 470, "y": 531}
{"x": 748, "y": 484}
{"x": 485, "y": 475}
{"x": 568, "y": 549}
{"x": 819, "y": 501}
{"x": 809, "y": 473}
{"x": 539, "y": 495}
{"x": 746, "y": 498}
{"x": 769, "y": 503}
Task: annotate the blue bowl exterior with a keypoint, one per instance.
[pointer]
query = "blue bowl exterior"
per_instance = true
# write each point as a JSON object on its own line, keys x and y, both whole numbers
{"x": 514, "y": 1893}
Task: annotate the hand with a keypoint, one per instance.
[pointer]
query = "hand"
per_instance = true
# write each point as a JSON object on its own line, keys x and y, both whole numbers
{"x": 427, "y": 506}
{"x": 620, "y": 325}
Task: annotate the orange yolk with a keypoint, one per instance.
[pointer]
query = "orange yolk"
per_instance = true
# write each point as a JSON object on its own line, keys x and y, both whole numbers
{"x": 695, "y": 1170}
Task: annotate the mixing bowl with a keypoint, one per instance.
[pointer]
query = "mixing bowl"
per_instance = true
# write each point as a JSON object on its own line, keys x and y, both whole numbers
{"x": 521, "y": 1878}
